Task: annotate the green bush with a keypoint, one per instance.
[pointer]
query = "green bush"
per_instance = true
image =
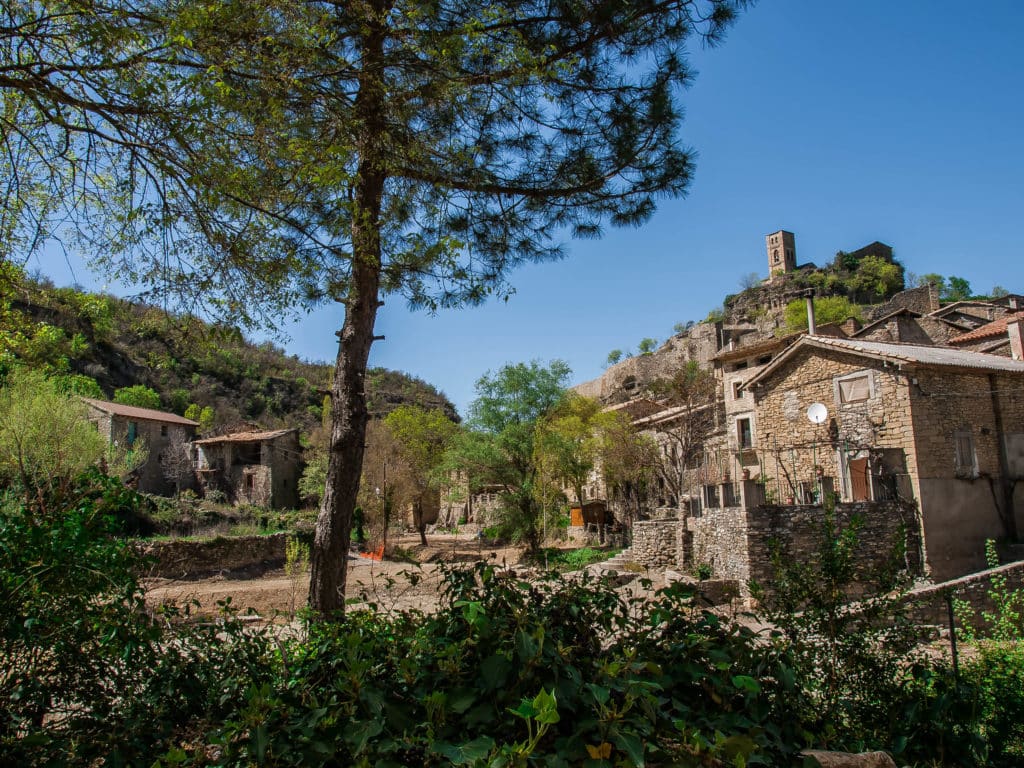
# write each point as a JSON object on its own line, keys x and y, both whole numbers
{"x": 72, "y": 634}
{"x": 555, "y": 671}
{"x": 139, "y": 395}
{"x": 571, "y": 559}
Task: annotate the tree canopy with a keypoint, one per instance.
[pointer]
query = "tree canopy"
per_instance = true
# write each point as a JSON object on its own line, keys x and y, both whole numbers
{"x": 264, "y": 154}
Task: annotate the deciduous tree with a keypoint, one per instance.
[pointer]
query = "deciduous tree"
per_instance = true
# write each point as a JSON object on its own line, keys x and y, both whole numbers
{"x": 46, "y": 440}
{"x": 423, "y": 436}
{"x": 499, "y": 447}
{"x": 628, "y": 464}
{"x": 691, "y": 396}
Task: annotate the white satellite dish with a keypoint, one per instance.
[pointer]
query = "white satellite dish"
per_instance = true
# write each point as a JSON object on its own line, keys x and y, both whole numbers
{"x": 817, "y": 413}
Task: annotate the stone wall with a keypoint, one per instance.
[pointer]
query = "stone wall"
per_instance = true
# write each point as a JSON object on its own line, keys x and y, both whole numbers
{"x": 654, "y": 542}
{"x": 192, "y": 559}
{"x": 928, "y": 604}
{"x": 797, "y": 531}
{"x": 719, "y": 539}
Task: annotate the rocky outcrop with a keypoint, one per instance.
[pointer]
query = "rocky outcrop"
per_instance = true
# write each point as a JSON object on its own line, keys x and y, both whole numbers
{"x": 630, "y": 377}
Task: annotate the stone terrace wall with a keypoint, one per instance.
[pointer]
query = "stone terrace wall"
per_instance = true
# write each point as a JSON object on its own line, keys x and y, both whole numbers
{"x": 191, "y": 559}
{"x": 798, "y": 530}
{"x": 719, "y": 539}
{"x": 928, "y": 604}
{"x": 654, "y": 542}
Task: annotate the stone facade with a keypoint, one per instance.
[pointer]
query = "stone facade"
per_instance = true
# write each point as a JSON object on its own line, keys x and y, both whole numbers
{"x": 781, "y": 251}
{"x": 942, "y": 435}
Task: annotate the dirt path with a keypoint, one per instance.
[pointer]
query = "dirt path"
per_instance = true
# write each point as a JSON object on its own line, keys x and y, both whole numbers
{"x": 388, "y": 584}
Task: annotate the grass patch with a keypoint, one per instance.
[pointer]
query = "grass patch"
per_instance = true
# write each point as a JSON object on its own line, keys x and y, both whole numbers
{"x": 563, "y": 560}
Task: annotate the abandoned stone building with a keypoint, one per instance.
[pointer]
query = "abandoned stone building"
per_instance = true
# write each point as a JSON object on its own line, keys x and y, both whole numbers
{"x": 258, "y": 468}
{"x": 158, "y": 431}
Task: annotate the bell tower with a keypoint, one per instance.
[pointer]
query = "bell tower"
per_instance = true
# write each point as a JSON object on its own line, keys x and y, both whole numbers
{"x": 781, "y": 248}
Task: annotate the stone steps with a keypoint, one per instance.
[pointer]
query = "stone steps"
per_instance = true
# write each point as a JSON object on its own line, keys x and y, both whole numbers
{"x": 615, "y": 564}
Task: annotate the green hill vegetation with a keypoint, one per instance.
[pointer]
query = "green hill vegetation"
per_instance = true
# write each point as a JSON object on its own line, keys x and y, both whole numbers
{"x": 101, "y": 346}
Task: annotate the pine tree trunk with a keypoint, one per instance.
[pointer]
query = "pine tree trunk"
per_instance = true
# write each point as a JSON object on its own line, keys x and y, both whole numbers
{"x": 329, "y": 560}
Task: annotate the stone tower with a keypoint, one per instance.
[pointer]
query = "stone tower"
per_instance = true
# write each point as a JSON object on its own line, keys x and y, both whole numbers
{"x": 781, "y": 247}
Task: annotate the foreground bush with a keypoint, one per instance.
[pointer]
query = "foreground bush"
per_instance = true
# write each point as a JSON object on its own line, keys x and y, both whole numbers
{"x": 560, "y": 673}
{"x": 506, "y": 673}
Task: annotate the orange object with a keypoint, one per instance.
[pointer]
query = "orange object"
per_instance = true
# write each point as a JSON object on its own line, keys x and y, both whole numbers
{"x": 377, "y": 554}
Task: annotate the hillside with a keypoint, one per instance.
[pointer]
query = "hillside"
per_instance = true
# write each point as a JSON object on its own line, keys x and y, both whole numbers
{"x": 117, "y": 343}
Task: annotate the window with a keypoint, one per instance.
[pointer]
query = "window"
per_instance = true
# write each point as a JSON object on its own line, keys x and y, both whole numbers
{"x": 775, "y": 254}
{"x": 163, "y": 430}
{"x": 133, "y": 433}
{"x": 737, "y": 390}
{"x": 744, "y": 433}
{"x": 964, "y": 457}
{"x": 764, "y": 359}
{"x": 855, "y": 388}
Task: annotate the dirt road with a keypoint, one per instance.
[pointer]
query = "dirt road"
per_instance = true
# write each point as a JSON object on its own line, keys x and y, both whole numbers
{"x": 389, "y": 584}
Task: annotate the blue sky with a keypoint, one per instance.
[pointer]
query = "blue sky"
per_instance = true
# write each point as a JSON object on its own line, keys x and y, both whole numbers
{"x": 843, "y": 121}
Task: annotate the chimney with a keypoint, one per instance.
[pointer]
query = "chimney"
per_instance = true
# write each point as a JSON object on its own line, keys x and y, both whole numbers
{"x": 1014, "y": 304}
{"x": 1014, "y": 330}
{"x": 811, "y": 327}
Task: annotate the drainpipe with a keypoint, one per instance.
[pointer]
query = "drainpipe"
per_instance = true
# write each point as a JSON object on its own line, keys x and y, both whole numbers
{"x": 1005, "y": 487}
{"x": 811, "y": 327}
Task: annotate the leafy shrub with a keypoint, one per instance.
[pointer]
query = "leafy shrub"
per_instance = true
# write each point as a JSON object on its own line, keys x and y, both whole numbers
{"x": 555, "y": 671}
{"x": 850, "y": 660}
{"x": 72, "y": 639}
{"x": 139, "y": 395}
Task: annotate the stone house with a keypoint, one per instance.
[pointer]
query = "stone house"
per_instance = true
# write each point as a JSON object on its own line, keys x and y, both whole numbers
{"x": 258, "y": 468}
{"x": 939, "y": 427}
{"x": 160, "y": 432}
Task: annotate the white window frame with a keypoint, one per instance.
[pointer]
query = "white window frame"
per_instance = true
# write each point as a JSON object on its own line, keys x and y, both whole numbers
{"x": 839, "y": 380}
{"x": 753, "y": 432}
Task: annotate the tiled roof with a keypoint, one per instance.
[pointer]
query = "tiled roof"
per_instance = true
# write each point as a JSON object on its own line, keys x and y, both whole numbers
{"x": 908, "y": 354}
{"x": 134, "y": 412}
{"x": 995, "y": 328}
{"x": 246, "y": 437}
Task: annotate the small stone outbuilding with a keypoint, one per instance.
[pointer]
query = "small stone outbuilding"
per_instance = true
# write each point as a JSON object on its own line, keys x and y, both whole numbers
{"x": 258, "y": 468}
{"x": 160, "y": 432}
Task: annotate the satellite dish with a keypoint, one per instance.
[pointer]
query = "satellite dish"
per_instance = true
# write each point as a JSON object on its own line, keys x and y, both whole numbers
{"x": 817, "y": 413}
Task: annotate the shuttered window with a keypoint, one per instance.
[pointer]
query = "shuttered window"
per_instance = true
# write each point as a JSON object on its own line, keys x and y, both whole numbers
{"x": 964, "y": 455}
{"x": 855, "y": 389}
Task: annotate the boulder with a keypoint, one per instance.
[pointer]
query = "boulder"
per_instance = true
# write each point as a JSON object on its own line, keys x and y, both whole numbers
{"x": 848, "y": 760}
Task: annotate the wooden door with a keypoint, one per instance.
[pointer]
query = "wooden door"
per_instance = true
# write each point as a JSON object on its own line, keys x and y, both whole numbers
{"x": 860, "y": 487}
